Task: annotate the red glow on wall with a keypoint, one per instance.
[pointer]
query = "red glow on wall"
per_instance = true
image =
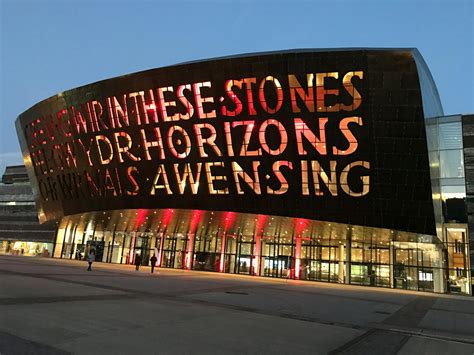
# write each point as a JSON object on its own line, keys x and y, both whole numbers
{"x": 256, "y": 258}
{"x": 141, "y": 216}
{"x": 297, "y": 257}
{"x": 222, "y": 259}
{"x": 300, "y": 225}
{"x": 261, "y": 220}
{"x": 160, "y": 250}
{"x": 132, "y": 249}
{"x": 167, "y": 216}
{"x": 227, "y": 222}
{"x": 229, "y": 219}
{"x": 259, "y": 225}
{"x": 195, "y": 219}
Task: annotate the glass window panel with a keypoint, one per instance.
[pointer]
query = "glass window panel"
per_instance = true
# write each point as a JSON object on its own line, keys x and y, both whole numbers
{"x": 450, "y": 135}
{"x": 432, "y": 137}
{"x": 451, "y": 163}
{"x": 325, "y": 253}
{"x": 246, "y": 249}
{"x": 448, "y": 192}
{"x": 356, "y": 255}
{"x": 434, "y": 164}
{"x": 456, "y": 235}
{"x": 383, "y": 256}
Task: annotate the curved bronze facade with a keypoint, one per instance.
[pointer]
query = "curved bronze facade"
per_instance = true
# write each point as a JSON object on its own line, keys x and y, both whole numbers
{"x": 336, "y": 136}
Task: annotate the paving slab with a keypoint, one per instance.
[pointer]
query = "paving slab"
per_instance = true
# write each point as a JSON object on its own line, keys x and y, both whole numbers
{"x": 56, "y": 306}
{"x": 421, "y": 346}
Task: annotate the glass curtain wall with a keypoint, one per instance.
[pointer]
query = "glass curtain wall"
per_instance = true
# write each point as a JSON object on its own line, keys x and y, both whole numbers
{"x": 357, "y": 256}
{"x": 458, "y": 261}
{"x": 446, "y": 150}
{"x": 418, "y": 266}
{"x": 370, "y": 261}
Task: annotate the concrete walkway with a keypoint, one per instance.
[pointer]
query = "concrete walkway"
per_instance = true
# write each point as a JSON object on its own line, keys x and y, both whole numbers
{"x": 51, "y": 306}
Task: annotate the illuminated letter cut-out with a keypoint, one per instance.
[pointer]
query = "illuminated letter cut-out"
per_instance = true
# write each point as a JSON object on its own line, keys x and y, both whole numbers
{"x": 234, "y": 98}
{"x": 320, "y": 174}
{"x": 250, "y": 101}
{"x": 184, "y": 100}
{"x": 149, "y": 106}
{"x": 124, "y": 149}
{"x": 352, "y": 90}
{"x": 279, "y": 95}
{"x": 296, "y": 89}
{"x": 136, "y": 110}
{"x": 302, "y": 130}
{"x": 209, "y": 141}
{"x": 179, "y": 141}
{"x": 351, "y": 139}
{"x": 120, "y": 112}
{"x": 276, "y": 167}
{"x": 133, "y": 181}
{"x": 365, "y": 179}
{"x": 160, "y": 173}
{"x": 200, "y": 101}
{"x": 283, "y": 137}
{"x": 164, "y": 104}
{"x": 213, "y": 177}
{"x": 239, "y": 173}
{"x": 157, "y": 142}
{"x": 244, "y": 150}
{"x": 188, "y": 176}
{"x": 101, "y": 142}
{"x": 322, "y": 92}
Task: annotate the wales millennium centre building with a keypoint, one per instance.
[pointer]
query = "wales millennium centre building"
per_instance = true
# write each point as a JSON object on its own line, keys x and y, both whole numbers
{"x": 319, "y": 165}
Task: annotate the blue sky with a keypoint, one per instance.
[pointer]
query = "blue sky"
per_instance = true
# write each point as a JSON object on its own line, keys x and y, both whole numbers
{"x": 51, "y": 46}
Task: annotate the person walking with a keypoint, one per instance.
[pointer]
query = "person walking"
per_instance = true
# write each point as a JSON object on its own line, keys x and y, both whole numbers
{"x": 138, "y": 261}
{"x": 90, "y": 259}
{"x": 153, "y": 260}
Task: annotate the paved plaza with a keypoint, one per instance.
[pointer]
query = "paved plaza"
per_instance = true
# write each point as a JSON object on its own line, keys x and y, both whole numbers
{"x": 51, "y": 306}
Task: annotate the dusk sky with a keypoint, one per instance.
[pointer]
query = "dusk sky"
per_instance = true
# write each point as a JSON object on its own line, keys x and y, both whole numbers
{"x": 51, "y": 46}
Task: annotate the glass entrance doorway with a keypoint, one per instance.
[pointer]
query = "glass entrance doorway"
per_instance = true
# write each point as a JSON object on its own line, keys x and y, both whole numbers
{"x": 243, "y": 263}
{"x": 174, "y": 247}
{"x": 97, "y": 246}
{"x": 320, "y": 262}
{"x": 141, "y": 248}
{"x": 207, "y": 252}
{"x": 277, "y": 257}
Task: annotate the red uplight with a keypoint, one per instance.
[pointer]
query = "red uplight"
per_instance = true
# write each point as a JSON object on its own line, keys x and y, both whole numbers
{"x": 298, "y": 257}
{"x": 229, "y": 218}
{"x": 261, "y": 220}
{"x": 195, "y": 219}
{"x": 301, "y": 225}
{"x": 141, "y": 215}
{"x": 167, "y": 216}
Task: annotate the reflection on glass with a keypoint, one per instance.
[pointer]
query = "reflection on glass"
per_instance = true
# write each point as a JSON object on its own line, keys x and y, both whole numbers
{"x": 267, "y": 246}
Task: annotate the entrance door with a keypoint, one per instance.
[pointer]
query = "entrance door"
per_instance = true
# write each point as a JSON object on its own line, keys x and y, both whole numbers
{"x": 174, "y": 251}
{"x": 98, "y": 247}
{"x": 276, "y": 257}
{"x": 169, "y": 251}
{"x": 142, "y": 248}
{"x": 319, "y": 262}
{"x": 310, "y": 263}
{"x": 206, "y": 252}
{"x": 362, "y": 274}
{"x": 244, "y": 257}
